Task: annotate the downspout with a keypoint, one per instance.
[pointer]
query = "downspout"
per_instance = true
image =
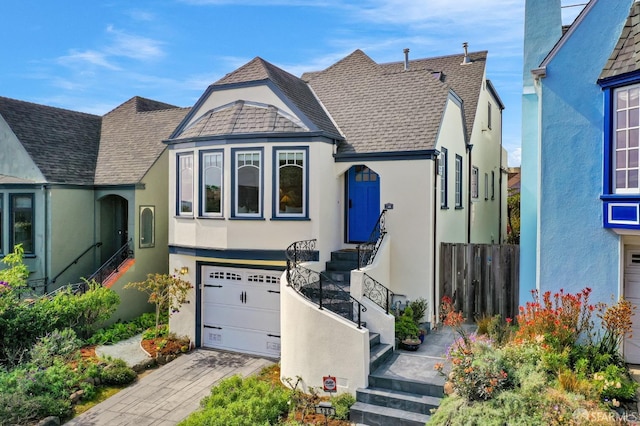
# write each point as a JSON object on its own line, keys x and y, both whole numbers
{"x": 47, "y": 239}
{"x": 501, "y": 172}
{"x": 435, "y": 242}
{"x": 469, "y": 166}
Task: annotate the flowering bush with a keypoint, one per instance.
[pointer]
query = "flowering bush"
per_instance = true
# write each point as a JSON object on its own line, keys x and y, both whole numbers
{"x": 558, "y": 320}
{"x": 479, "y": 370}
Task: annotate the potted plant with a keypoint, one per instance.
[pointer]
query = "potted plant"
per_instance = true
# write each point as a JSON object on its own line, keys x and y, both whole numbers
{"x": 407, "y": 331}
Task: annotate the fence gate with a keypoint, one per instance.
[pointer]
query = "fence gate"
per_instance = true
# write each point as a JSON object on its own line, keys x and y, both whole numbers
{"x": 482, "y": 279}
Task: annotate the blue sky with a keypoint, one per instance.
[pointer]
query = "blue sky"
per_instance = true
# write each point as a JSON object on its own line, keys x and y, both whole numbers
{"x": 92, "y": 56}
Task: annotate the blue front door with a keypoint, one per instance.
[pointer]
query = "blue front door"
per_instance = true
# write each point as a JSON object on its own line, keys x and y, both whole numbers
{"x": 363, "y": 203}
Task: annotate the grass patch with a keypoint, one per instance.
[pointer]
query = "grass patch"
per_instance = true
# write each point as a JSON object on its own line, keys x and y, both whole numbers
{"x": 102, "y": 393}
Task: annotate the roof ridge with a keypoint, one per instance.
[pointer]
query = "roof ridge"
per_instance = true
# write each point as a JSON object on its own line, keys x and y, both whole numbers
{"x": 435, "y": 57}
{"x": 50, "y": 107}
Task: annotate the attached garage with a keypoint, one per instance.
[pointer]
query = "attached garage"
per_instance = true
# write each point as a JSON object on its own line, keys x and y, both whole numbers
{"x": 241, "y": 310}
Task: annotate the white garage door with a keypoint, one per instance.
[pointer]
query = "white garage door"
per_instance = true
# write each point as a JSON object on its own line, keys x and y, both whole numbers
{"x": 241, "y": 310}
{"x": 632, "y": 294}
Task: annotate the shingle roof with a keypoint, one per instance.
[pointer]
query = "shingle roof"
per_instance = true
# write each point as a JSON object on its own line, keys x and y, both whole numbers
{"x": 131, "y": 141}
{"x": 382, "y": 108}
{"x": 626, "y": 55}
{"x": 62, "y": 143}
{"x": 243, "y": 117}
{"x": 295, "y": 89}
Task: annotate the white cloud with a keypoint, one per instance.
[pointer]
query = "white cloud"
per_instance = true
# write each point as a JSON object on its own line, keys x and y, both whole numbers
{"x": 133, "y": 46}
{"x": 90, "y": 57}
{"x": 515, "y": 157}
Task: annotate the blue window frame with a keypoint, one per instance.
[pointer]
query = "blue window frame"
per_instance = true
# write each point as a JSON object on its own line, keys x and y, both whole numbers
{"x": 211, "y": 183}
{"x": 443, "y": 171}
{"x": 21, "y": 221}
{"x": 290, "y": 182}
{"x": 247, "y": 182}
{"x": 458, "y": 182}
{"x": 184, "y": 190}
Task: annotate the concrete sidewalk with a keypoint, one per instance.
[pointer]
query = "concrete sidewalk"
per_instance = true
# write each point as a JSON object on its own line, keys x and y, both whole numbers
{"x": 172, "y": 392}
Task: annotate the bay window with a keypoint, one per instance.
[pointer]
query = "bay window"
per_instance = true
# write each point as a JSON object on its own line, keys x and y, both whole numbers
{"x": 211, "y": 168}
{"x": 626, "y": 122}
{"x": 290, "y": 182}
{"x": 247, "y": 191}
{"x": 185, "y": 184}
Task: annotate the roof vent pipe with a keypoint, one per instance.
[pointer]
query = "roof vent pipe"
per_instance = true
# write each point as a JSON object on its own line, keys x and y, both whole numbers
{"x": 466, "y": 60}
{"x": 406, "y": 59}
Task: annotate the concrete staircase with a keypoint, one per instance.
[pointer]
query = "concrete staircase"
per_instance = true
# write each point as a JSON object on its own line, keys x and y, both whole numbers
{"x": 405, "y": 388}
{"x": 340, "y": 266}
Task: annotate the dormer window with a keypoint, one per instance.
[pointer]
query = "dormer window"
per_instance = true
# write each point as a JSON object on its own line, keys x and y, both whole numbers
{"x": 626, "y": 122}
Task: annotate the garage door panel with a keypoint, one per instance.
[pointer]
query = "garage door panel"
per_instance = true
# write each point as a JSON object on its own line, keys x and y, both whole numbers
{"x": 242, "y": 340}
{"x": 257, "y": 319}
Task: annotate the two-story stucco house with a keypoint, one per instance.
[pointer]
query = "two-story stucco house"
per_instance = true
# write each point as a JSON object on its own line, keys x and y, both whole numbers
{"x": 86, "y": 195}
{"x": 265, "y": 159}
{"x": 580, "y": 190}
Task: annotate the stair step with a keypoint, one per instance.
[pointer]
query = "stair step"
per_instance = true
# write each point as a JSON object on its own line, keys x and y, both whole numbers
{"x": 434, "y": 387}
{"x": 345, "y": 255}
{"x": 422, "y": 404}
{"x": 374, "y": 339}
{"x": 339, "y": 276}
{"x": 379, "y": 354}
{"x": 375, "y": 415}
{"x": 341, "y": 265}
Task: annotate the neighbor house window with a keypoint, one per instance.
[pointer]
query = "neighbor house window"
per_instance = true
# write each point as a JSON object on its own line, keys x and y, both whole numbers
{"x": 493, "y": 185}
{"x": 185, "y": 184}
{"x": 474, "y": 182}
{"x": 489, "y": 115}
{"x": 147, "y": 226}
{"x": 443, "y": 171}
{"x": 248, "y": 183}
{"x": 626, "y": 139}
{"x": 291, "y": 182}
{"x": 22, "y": 221}
{"x": 211, "y": 177}
{"x": 458, "y": 181}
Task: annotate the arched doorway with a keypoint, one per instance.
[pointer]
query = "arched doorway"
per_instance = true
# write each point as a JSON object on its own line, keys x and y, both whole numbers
{"x": 363, "y": 203}
{"x": 114, "y": 220}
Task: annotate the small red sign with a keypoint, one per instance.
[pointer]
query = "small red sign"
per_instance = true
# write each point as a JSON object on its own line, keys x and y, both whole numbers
{"x": 329, "y": 384}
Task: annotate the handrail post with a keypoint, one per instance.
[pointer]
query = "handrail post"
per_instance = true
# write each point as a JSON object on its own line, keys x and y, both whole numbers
{"x": 320, "y": 290}
{"x": 359, "y": 308}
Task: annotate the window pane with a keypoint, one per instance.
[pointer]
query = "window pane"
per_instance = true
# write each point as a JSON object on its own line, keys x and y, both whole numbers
{"x": 622, "y": 99}
{"x": 633, "y": 117}
{"x": 633, "y": 137}
{"x": 186, "y": 183}
{"x": 212, "y": 182}
{"x": 248, "y": 184}
{"x": 621, "y": 139}
{"x": 621, "y": 119}
{"x": 22, "y": 222}
{"x": 633, "y": 97}
{"x": 621, "y": 159}
{"x": 621, "y": 181}
{"x": 291, "y": 195}
{"x": 633, "y": 179}
{"x": 633, "y": 158}
{"x": 146, "y": 227}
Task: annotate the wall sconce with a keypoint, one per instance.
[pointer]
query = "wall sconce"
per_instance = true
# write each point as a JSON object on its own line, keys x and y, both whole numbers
{"x": 184, "y": 270}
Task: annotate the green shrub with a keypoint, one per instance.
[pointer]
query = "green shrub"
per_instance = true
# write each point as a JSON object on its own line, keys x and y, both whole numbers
{"x": 61, "y": 343}
{"x": 342, "y": 403}
{"x": 241, "y": 402}
{"x": 405, "y": 326}
{"x": 154, "y": 333}
{"x": 116, "y": 372}
{"x": 419, "y": 309}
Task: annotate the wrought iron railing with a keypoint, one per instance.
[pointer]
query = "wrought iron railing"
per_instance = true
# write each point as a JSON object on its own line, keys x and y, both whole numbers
{"x": 377, "y": 293}
{"x": 113, "y": 264}
{"x": 317, "y": 287}
{"x": 367, "y": 251}
{"x": 96, "y": 245}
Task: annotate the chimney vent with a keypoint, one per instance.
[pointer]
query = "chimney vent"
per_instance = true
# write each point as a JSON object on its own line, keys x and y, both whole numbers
{"x": 466, "y": 60}
{"x": 406, "y": 59}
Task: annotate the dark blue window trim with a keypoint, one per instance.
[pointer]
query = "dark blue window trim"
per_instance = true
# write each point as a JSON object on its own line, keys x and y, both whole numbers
{"x": 234, "y": 152}
{"x": 12, "y": 243}
{"x": 274, "y": 180}
{"x": 459, "y": 185}
{"x": 202, "y": 193}
{"x": 444, "y": 180}
{"x": 607, "y": 184}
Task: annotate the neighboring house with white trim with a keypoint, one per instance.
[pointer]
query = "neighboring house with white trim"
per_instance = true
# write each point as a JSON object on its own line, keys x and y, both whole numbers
{"x": 265, "y": 159}
{"x": 580, "y": 192}
{"x": 84, "y": 193}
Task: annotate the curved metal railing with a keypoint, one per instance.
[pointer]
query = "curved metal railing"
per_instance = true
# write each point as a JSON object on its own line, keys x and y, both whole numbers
{"x": 376, "y": 292}
{"x": 367, "y": 251}
{"x": 317, "y": 287}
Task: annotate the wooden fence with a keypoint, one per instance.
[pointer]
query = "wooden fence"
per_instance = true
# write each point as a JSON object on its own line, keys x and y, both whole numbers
{"x": 482, "y": 279}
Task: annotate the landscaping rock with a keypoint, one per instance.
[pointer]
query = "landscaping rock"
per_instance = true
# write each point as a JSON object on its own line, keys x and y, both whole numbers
{"x": 76, "y": 396}
{"x": 49, "y": 421}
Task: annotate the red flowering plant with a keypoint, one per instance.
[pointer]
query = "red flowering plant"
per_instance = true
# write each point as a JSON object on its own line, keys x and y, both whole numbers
{"x": 452, "y": 318}
{"x": 556, "y": 320}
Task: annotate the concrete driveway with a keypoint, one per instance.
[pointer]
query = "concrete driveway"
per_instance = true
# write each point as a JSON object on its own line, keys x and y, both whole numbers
{"x": 172, "y": 392}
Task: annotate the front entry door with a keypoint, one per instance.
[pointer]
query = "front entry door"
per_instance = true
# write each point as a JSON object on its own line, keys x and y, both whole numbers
{"x": 632, "y": 294}
{"x": 363, "y": 203}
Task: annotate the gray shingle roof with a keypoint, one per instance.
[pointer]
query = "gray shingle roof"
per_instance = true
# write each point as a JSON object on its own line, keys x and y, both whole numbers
{"x": 626, "y": 55}
{"x": 241, "y": 117}
{"x": 382, "y": 108}
{"x": 62, "y": 143}
{"x": 131, "y": 141}
{"x": 295, "y": 89}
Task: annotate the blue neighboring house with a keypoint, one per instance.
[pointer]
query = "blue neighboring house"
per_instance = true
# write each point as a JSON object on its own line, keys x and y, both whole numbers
{"x": 580, "y": 223}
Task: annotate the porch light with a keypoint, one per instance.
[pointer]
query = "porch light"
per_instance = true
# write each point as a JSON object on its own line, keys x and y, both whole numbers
{"x": 184, "y": 270}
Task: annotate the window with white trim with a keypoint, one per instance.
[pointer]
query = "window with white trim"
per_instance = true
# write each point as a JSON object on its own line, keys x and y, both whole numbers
{"x": 211, "y": 168}
{"x": 443, "y": 171}
{"x": 626, "y": 121}
{"x": 458, "y": 181}
{"x": 486, "y": 186}
{"x": 291, "y": 183}
{"x": 474, "y": 182}
{"x": 248, "y": 183}
{"x": 185, "y": 184}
